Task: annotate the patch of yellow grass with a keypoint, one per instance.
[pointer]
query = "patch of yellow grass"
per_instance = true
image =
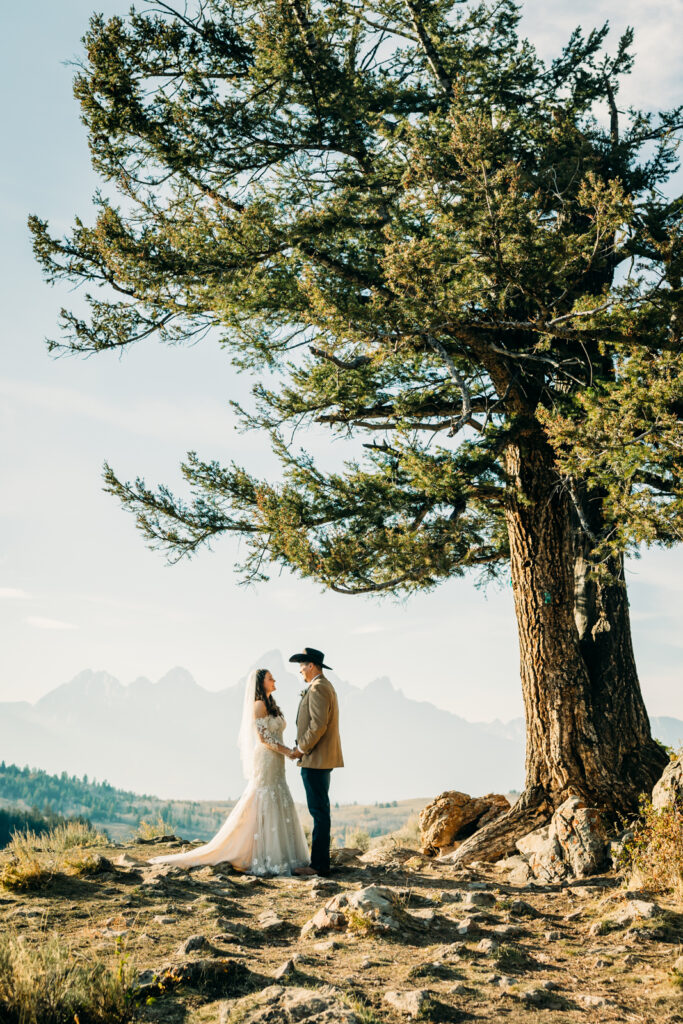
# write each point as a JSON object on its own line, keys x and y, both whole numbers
{"x": 153, "y": 829}
{"x": 47, "y": 986}
{"x": 31, "y": 859}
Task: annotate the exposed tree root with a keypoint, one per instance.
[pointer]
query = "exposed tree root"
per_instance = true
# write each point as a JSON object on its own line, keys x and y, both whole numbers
{"x": 498, "y": 838}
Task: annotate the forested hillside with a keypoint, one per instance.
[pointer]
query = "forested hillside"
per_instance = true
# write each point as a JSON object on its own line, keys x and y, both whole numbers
{"x": 120, "y": 812}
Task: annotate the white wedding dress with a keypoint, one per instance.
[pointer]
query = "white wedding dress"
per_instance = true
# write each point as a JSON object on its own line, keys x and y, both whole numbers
{"x": 262, "y": 834}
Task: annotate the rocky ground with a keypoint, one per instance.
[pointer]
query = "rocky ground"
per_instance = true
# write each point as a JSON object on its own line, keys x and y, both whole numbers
{"x": 390, "y": 937}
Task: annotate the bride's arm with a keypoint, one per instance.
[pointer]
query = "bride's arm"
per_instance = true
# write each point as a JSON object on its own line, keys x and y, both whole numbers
{"x": 261, "y": 716}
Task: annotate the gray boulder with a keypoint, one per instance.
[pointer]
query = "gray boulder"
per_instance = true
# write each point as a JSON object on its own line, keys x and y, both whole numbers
{"x": 582, "y": 837}
{"x": 375, "y": 908}
{"x": 574, "y": 844}
{"x": 669, "y": 790}
{"x": 322, "y": 1005}
{"x": 543, "y": 854}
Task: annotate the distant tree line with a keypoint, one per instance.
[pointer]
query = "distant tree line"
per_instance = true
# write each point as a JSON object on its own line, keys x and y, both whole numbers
{"x": 53, "y": 796}
{"x": 13, "y": 819}
{"x": 65, "y": 793}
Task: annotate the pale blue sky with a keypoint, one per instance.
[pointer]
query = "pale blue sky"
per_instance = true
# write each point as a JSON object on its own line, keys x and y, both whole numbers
{"x": 78, "y": 588}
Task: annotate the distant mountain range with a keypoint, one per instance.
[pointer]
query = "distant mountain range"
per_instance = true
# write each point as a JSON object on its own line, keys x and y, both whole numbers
{"x": 177, "y": 740}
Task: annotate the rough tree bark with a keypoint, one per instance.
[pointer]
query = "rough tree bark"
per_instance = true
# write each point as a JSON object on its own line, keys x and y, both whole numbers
{"x": 587, "y": 730}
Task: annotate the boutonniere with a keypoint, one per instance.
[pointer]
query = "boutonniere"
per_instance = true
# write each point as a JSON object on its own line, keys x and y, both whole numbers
{"x": 302, "y": 693}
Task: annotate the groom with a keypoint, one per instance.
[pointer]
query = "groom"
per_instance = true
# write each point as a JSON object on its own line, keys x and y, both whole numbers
{"x": 319, "y": 749}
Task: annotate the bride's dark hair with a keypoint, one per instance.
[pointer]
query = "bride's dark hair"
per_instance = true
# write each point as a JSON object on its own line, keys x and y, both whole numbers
{"x": 260, "y": 693}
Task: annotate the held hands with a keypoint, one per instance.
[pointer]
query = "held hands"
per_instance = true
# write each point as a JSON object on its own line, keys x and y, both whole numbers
{"x": 296, "y": 754}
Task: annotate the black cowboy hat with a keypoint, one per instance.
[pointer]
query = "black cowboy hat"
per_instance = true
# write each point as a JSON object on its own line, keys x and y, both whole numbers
{"x": 310, "y": 654}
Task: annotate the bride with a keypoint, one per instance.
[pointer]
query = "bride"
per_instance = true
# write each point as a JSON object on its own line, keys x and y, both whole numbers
{"x": 262, "y": 834}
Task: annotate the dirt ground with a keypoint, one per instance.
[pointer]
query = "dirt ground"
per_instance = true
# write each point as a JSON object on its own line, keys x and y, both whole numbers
{"x": 563, "y": 954}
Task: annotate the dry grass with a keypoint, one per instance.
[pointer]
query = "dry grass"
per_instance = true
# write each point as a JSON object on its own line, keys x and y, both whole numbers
{"x": 357, "y": 838}
{"x": 32, "y": 859}
{"x": 654, "y": 857}
{"x": 153, "y": 829}
{"x": 47, "y": 986}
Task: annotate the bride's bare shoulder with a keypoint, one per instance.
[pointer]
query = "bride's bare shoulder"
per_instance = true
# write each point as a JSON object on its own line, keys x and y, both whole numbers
{"x": 260, "y": 710}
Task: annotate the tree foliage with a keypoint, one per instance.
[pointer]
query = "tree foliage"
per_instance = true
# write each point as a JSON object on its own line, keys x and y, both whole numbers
{"x": 411, "y": 229}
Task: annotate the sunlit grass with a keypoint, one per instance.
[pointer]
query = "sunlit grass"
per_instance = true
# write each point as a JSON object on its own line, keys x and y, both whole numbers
{"x": 46, "y": 985}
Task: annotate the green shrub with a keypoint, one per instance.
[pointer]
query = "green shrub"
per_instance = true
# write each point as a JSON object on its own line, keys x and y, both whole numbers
{"x": 654, "y": 856}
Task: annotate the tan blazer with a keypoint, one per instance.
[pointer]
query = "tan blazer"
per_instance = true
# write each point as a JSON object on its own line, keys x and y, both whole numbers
{"x": 317, "y": 726}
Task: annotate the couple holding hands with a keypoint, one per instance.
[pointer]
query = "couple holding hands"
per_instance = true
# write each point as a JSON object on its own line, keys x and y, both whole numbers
{"x": 262, "y": 834}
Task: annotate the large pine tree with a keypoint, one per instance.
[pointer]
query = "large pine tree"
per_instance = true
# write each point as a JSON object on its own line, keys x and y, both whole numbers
{"x": 441, "y": 246}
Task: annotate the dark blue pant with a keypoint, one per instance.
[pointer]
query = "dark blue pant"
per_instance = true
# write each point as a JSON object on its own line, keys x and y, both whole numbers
{"x": 317, "y": 785}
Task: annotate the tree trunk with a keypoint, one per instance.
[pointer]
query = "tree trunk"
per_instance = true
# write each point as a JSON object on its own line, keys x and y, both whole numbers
{"x": 587, "y": 731}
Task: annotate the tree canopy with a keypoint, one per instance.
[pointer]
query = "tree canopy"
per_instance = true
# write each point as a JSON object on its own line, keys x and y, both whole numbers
{"x": 431, "y": 240}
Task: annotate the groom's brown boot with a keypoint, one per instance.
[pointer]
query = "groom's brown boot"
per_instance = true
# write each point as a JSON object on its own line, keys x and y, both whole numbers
{"x": 304, "y": 871}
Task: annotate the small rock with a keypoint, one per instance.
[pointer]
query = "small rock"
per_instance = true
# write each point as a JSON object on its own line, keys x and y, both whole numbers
{"x": 327, "y": 947}
{"x": 573, "y": 916}
{"x": 193, "y": 943}
{"x": 534, "y": 995}
{"x": 505, "y": 982}
{"x": 451, "y": 951}
{"x": 550, "y": 986}
{"x": 492, "y": 979}
{"x": 164, "y": 919}
{"x": 520, "y": 908}
{"x": 589, "y": 1000}
{"x": 643, "y": 908}
{"x": 631, "y": 959}
{"x": 426, "y": 916}
{"x": 270, "y": 922}
{"x": 466, "y": 926}
{"x": 552, "y": 936}
{"x": 487, "y": 946}
{"x": 410, "y": 1002}
{"x": 226, "y": 937}
{"x": 459, "y": 989}
{"x": 126, "y": 861}
{"x": 271, "y": 994}
{"x": 508, "y": 931}
{"x": 450, "y": 896}
{"x": 285, "y": 970}
{"x": 479, "y": 899}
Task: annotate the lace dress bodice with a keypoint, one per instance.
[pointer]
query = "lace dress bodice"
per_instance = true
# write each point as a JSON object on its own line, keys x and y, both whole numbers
{"x": 263, "y": 834}
{"x": 269, "y": 763}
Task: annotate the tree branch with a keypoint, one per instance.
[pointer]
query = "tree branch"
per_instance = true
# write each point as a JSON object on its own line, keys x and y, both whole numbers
{"x": 430, "y": 50}
{"x": 353, "y": 364}
{"x": 466, "y": 417}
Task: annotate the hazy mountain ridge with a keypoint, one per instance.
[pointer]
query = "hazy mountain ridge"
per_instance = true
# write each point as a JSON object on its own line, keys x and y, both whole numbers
{"x": 175, "y": 739}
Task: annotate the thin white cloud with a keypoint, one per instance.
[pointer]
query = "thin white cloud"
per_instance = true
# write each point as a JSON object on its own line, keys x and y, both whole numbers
{"x": 191, "y": 421}
{"x": 13, "y": 594}
{"x": 38, "y": 622}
